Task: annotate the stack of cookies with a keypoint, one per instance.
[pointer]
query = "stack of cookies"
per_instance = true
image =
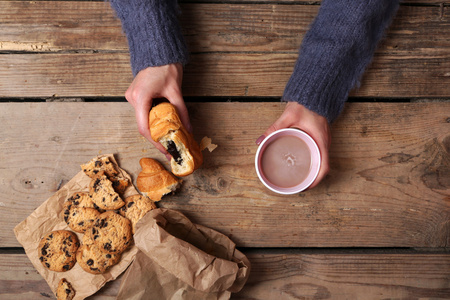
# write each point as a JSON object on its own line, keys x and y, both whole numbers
{"x": 105, "y": 219}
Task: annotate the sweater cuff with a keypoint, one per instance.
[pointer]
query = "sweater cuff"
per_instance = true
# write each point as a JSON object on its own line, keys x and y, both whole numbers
{"x": 153, "y": 32}
{"x": 335, "y": 52}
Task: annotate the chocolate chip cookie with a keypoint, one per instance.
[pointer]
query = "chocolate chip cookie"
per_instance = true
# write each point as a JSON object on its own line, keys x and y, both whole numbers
{"x": 120, "y": 184}
{"x": 65, "y": 291}
{"x": 105, "y": 165}
{"x": 57, "y": 250}
{"x": 94, "y": 261}
{"x": 79, "y": 218}
{"x": 81, "y": 199}
{"x": 135, "y": 208}
{"x": 100, "y": 164}
{"x": 103, "y": 194}
{"x": 111, "y": 233}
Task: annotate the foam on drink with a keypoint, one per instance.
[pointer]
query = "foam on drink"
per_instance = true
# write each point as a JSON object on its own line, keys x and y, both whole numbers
{"x": 286, "y": 161}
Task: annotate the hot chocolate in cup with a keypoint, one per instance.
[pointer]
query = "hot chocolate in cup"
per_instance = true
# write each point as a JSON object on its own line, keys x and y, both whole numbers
{"x": 288, "y": 161}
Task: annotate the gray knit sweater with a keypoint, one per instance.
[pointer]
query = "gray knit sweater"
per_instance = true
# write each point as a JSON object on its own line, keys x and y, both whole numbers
{"x": 333, "y": 55}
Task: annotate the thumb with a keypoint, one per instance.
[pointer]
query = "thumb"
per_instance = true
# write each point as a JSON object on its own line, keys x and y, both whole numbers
{"x": 278, "y": 124}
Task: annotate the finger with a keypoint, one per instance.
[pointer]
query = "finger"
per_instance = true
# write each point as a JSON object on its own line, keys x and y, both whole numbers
{"x": 324, "y": 163}
{"x": 158, "y": 146}
{"x": 161, "y": 149}
{"x": 324, "y": 169}
{"x": 177, "y": 100}
{"x": 280, "y": 123}
{"x": 142, "y": 111}
{"x": 260, "y": 139}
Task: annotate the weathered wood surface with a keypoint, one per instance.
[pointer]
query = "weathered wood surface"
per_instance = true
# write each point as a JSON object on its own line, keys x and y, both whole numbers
{"x": 347, "y": 276}
{"x": 287, "y": 275}
{"x": 231, "y": 74}
{"x": 389, "y": 185}
{"x": 237, "y": 50}
{"x": 56, "y": 26}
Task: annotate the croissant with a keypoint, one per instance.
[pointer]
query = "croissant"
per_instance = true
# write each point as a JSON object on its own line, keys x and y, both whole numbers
{"x": 154, "y": 181}
{"x": 167, "y": 129}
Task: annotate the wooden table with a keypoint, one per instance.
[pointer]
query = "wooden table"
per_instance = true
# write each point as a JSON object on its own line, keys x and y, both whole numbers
{"x": 377, "y": 227}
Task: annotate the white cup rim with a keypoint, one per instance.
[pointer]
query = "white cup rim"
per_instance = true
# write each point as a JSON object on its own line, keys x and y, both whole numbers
{"x": 315, "y": 161}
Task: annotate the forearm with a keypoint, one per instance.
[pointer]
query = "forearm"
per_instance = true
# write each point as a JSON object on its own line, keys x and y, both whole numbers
{"x": 153, "y": 32}
{"x": 336, "y": 51}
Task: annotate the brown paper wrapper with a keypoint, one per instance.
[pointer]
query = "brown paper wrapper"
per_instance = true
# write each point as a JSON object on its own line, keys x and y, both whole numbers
{"x": 182, "y": 260}
{"x": 48, "y": 217}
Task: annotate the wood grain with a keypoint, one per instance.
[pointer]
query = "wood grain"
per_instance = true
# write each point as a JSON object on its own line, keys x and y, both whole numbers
{"x": 50, "y": 26}
{"x": 227, "y": 75}
{"x": 389, "y": 184}
{"x": 50, "y": 48}
{"x": 347, "y": 276}
{"x": 287, "y": 275}
{"x": 58, "y": 26}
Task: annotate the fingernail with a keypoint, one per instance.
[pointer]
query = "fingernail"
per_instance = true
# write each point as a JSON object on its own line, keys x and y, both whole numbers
{"x": 260, "y": 139}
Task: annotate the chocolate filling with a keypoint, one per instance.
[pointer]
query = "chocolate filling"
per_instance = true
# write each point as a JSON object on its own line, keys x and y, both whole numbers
{"x": 172, "y": 149}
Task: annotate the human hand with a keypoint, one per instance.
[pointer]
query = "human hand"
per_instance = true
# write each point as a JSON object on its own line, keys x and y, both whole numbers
{"x": 298, "y": 116}
{"x": 153, "y": 83}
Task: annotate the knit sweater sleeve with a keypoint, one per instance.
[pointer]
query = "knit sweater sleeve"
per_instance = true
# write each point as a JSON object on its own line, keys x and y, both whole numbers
{"x": 335, "y": 52}
{"x": 153, "y": 32}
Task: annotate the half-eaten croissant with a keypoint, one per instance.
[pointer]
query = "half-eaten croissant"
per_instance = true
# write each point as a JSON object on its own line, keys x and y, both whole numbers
{"x": 167, "y": 129}
{"x": 154, "y": 181}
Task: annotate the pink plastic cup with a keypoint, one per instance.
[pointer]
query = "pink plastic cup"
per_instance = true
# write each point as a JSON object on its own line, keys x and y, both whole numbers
{"x": 314, "y": 166}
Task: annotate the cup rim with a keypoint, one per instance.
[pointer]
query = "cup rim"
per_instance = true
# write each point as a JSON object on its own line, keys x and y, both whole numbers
{"x": 315, "y": 161}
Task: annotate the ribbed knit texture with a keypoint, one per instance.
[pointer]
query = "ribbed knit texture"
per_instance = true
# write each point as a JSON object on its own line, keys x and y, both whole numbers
{"x": 153, "y": 32}
{"x": 335, "y": 52}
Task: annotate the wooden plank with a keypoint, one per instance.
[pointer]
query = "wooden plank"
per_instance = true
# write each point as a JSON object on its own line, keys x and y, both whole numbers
{"x": 346, "y": 276}
{"x": 63, "y": 75}
{"x": 215, "y": 74}
{"x": 411, "y": 62}
{"x": 389, "y": 184}
{"x": 288, "y": 275}
{"x": 415, "y": 31}
{"x": 51, "y": 26}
